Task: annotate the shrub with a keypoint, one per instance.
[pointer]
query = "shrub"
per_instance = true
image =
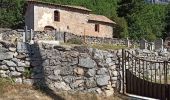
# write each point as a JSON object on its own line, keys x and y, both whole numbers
{"x": 27, "y": 72}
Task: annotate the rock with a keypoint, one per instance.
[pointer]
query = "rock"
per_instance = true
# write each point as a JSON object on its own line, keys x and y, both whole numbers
{"x": 3, "y": 67}
{"x": 102, "y": 71}
{"x": 90, "y": 83}
{"x": 56, "y": 72}
{"x": 114, "y": 78}
{"x": 68, "y": 79}
{"x": 87, "y": 62}
{"x": 14, "y": 74}
{"x": 109, "y": 92}
{"x": 55, "y": 78}
{"x": 6, "y": 56}
{"x": 91, "y": 72}
{"x": 38, "y": 76}
{"x": 77, "y": 83}
{"x": 2, "y": 71}
{"x": 114, "y": 73}
{"x": 12, "y": 68}
{"x": 4, "y": 75}
{"x": 27, "y": 63}
{"x": 61, "y": 86}
{"x": 28, "y": 81}
{"x": 113, "y": 67}
{"x": 98, "y": 54}
{"x": 12, "y": 49}
{"x": 20, "y": 69}
{"x": 18, "y": 80}
{"x": 36, "y": 63}
{"x": 3, "y": 50}
{"x": 103, "y": 80}
{"x": 108, "y": 60}
{"x": 21, "y": 64}
{"x": 45, "y": 62}
{"x": 67, "y": 70}
{"x": 54, "y": 62}
{"x": 21, "y": 56}
{"x": 99, "y": 91}
{"x": 79, "y": 71}
{"x": 9, "y": 63}
{"x": 15, "y": 60}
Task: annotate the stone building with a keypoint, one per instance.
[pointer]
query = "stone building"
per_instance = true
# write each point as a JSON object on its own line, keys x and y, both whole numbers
{"x": 41, "y": 16}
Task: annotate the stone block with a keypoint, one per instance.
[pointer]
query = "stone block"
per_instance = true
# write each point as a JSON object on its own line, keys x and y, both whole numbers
{"x": 79, "y": 71}
{"x": 103, "y": 80}
{"x": 87, "y": 62}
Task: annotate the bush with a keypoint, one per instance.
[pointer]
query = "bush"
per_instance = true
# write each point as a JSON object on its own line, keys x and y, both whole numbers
{"x": 75, "y": 41}
{"x": 27, "y": 72}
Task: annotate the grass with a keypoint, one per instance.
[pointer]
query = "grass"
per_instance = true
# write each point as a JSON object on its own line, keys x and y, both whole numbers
{"x": 11, "y": 91}
{"x": 108, "y": 46}
{"x": 98, "y": 46}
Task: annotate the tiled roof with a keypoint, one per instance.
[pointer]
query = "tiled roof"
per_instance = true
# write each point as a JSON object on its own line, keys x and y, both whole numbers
{"x": 58, "y": 5}
{"x": 100, "y": 18}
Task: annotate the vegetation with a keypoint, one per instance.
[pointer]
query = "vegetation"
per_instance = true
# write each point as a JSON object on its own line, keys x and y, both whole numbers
{"x": 135, "y": 19}
{"x": 27, "y": 72}
{"x": 12, "y": 91}
{"x": 108, "y": 46}
{"x": 75, "y": 41}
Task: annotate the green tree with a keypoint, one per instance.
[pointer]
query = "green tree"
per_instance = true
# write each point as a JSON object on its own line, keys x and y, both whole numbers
{"x": 11, "y": 13}
{"x": 167, "y": 21}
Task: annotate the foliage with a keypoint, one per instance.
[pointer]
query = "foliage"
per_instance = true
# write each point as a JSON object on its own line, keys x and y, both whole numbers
{"x": 167, "y": 20}
{"x": 144, "y": 20}
{"x": 11, "y": 13}
{"x": 108, "y": 46}
{"x": 27, "y": 72}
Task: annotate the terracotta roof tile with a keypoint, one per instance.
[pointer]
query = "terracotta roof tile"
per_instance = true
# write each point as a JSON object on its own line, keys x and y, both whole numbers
{"x": 100, "y": 18}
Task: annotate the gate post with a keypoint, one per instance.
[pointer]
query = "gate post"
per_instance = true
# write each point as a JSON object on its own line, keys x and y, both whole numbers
{"x": 123, "y": 70}
{"x": 165, "y": 72}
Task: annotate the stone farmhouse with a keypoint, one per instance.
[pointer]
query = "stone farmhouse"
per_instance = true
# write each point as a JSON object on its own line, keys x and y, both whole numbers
{"x": 78, "y": 20}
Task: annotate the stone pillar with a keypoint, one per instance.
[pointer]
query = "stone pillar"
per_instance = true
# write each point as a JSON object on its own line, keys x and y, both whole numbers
{"x": 152, "y": 46}
{"x": 127, "y": 42}
{"x": 32, "y": 34}
{"x": 143, "y": 44}
{"x": 32, "y": 37}
{"x": 24, "y": 37}
{"x": 159, "y": 44}
{"x": 26, "y": 33}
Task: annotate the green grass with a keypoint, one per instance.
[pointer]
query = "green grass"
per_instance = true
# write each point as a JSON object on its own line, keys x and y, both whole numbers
{"x": 108, "y": 46}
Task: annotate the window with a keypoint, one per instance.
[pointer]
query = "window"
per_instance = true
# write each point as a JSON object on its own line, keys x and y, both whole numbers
{"x": 96, "y": 27}
{"x": 56, "y": 15}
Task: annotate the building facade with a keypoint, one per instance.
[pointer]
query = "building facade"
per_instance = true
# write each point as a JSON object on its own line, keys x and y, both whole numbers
{"x": 41, "y": 16}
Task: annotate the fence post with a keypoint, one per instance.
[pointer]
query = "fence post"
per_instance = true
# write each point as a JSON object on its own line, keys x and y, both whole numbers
{"x": 165, "y": 72}
{"x": 123, "y": 70}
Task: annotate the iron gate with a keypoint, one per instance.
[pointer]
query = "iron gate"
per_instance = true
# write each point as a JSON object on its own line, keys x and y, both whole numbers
{"x": 146, "y": 78}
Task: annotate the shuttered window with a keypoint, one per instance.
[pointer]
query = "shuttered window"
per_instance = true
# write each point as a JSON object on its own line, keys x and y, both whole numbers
{"x": 56, "y": 15}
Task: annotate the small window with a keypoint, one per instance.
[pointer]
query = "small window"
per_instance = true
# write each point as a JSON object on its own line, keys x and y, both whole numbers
{"x": 56, "y": 15}
{"x": 96, "y": 27}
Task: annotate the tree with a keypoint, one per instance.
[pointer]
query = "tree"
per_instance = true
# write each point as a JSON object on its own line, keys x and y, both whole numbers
{"x": 11, "y": 13}
{"x": 167, "y": 20}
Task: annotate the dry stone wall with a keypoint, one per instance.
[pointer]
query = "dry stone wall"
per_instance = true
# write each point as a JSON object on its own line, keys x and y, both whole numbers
{"x": 61, "y": 68}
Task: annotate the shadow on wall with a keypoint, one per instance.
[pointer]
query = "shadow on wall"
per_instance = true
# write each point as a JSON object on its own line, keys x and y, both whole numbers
{"x": 38, "y": 63}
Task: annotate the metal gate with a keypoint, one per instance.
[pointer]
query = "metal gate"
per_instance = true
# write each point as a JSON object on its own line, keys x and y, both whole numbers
{"x": 145, "y": 77}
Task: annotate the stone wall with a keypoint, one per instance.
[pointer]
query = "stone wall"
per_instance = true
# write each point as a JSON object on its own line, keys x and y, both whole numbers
{"x": 13, "y": 35}
{"x": 61, "y": 68}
